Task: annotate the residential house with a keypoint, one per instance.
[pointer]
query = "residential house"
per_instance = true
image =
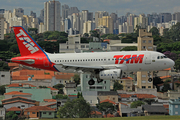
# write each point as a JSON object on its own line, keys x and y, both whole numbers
{"x": 2, "y": 113}
{"x": 36, "y": 112}
{"x": 127, "y": 83}
{"x": 54, "y": 91}
{"x": 16, "y": 110}
{"x": 111, "y": 95}
{"x": 150, "y": 110}
{"x": 91, "y": 97}
{"x": 5, "y": 77}
{"x": 165, "y": 72}
{"x": 52, "y": 103}
{"x": 38, "y": 94}
{"x": 70, "y": 89}
{"x": 19, "y": 102}
{"x": 174, "y": 106}
{"x": 16, "y": 93}
{"x": 126, "y": 111}
{"x": 164, "y": 78}
{"x": 173, "y": 94}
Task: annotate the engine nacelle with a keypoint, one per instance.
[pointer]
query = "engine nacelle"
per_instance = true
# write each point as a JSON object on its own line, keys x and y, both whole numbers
{"x": 112, "y": 74}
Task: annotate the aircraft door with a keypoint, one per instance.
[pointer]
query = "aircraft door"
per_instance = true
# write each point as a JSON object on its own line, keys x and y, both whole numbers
{"x": 148, "y": 58}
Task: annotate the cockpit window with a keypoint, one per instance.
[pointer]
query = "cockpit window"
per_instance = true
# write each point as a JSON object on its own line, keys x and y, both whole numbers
{"x": 158, "y": 57}
{"x": 165, "y": 57}
{"x": 161, "y": 57}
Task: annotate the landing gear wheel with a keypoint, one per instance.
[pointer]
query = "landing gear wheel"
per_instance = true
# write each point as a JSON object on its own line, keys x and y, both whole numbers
{"x": 150, "y": 79}
{"x": 91, "y": 82}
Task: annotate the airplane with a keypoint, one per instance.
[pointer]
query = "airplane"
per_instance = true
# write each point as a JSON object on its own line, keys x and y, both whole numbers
{"x": 101, "y": 65}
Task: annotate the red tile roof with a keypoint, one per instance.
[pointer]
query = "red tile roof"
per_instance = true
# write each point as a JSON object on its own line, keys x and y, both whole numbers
{"x": 53, "y": 88}
{"x": 128, "y": 78}
{"x": 20, "y": 85}
{"x": 13, "y": 65}
{"x": 18, "y": 101}
{"x": 17, "y": 97}
{"x": 50, "y": 100}
{"x": 123, "y": 104}
{"x": 140, "y": 96}
{"x": 108, "y": 116}
{"x": 13, "y": 109}
{"x": 96, "y": 113}
{"x": 16, "y": 93}
{"x": 107, "y": 100}
{"x": 51, "y": 104}
{"x": 39, "y": 108}
{"x": 164, "y": 77}
{"x": 166, "y": 106}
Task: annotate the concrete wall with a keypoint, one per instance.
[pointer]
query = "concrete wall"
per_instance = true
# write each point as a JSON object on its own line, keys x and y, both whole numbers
{"x": 18, "y": 104}
{"x": 5, "y": 78}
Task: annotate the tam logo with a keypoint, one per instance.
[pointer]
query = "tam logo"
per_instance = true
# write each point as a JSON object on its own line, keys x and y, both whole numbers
{"x": 27, "y": 41}
{"x": 130, "y": 59}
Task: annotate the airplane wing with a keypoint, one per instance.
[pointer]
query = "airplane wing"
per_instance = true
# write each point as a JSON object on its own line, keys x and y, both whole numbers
{"x": 91, "y": 68}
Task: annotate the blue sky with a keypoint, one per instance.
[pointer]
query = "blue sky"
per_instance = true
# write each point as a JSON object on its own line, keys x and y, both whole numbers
{"x": 119, "y": 6}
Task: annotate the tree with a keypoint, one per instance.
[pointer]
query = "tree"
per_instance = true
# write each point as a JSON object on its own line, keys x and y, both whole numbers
{"x": 94, "y": 33}
{"x": 59, "y": 87}
{"x": 106, "y": 107}
{"x": 174, "y": 32}
{"x": 154, "y": 31}
{"x": 86, "y": 35}
{"x": 129, "y": 48}
{"x": 79, "y": 95}
{"x": 136, "y": 30}
{"x": 77, "y": 79}
{"x": 4, "y": 66}
{"x": 14, "y": 48}
{"x": 177, "y": 64}
{"x": 76, "y": 108}
{"x": 61, "y": 96}
{"x": 11, "y": 116}
{"x": 135, "y": 104}
{"x": 149, "y": 101}
{"x": 166, "y": 87}
{"x": 2, "y": 89}
{"x": 156, "y": 81}
{"x": 117, "y": 86}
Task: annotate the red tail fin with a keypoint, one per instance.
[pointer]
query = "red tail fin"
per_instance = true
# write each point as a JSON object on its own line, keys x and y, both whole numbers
{"x": 27, "y": 45}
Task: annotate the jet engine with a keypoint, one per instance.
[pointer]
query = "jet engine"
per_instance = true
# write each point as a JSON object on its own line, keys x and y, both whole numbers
{"x": 112, "y": 74}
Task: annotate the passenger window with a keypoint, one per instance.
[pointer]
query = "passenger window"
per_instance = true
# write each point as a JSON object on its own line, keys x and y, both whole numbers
{"x": 57, "y": 60}
{"x": 158, "y": 57}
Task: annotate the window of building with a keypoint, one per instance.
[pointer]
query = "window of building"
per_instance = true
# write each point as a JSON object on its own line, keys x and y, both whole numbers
{"x": 176, "y": 106}
{"x": 67, "y": 47}
{"x": 176, "y": 113}
{"x": 150, "y": 41}
{"x": 121, "y": 81}
{"x": 149, "y": 47}
{"x": 82, "y": 46}
{"x": 104, "y": 82}
{"x": 87, "y": 46}
{"x": 28, "y": 113}
{"x": 44, "y": 112}
{"x": 104, "y": 87}
{"x": 22, "y": 105}
{"x": 99, "y": 87}
{"x": 33, "y": 113}
{"x": 143, "y": 47}
{"x": 143, "y": 75}
{"x": 144, "y": 41}
{"x": 149, "y": 86}
{"x": 20, "y": 91}
{"x": 2, "y": 75}
{"x": 49, "y": 113}
{"x": 74, "y": 90}
{"x": 143, "y": 87}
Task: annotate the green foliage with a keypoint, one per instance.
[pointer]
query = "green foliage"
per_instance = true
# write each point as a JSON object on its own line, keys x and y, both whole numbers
{"x": 59, "y": 87}
{"x": 76, "y": 79}
{"x": 174, "y": 32}
{"x": 79, "y": 95}
{"x": 154, "y": 31}
{"x": 86, "y": 34}
{"x": 42, "y": 87}
{"x": 129, "y": 38}
{"x": 166, "y": 87}
{"x": 33, "y": 30}
{"x": 2, "y": 89}
{"x": 76, "y": 108}
{"x": 61, "y": 96}
{"x": 94, "y": 33}
{"x": 106, "y": 107}
{"x": 136, "y": 30}
{"x": 129, "y": 48}
{"x": 4, "y": 66}
{"x": 14, "y": 48}
{"x": 149, "y": 101}
{"x": 117, "y": 86}
{"x": 11, "y": 116}
{"x": 177, "y": 64}
{"x": 156, "y": 81}
{"x": 135, "y": 104}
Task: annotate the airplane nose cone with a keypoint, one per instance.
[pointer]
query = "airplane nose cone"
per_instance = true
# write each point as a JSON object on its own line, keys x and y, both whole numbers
{"x": 172, "y": 63}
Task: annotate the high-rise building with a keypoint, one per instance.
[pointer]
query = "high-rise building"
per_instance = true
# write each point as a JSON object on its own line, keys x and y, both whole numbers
{"x": 106, "y": 21}
{"x": 52, "y": 10}
{"x": 165, "y": 17}
{"x": 1, "y": 27}
{"x": 176, "y": 16}
{"x": 2, "y": 11}
{"x": 19, "y": 12}
{"x": 85, "y": 15}
{"x": 88, "y": 26}
{"x": 41, "y": 28}
{"x": 73, "y": 10}
{"x": 67, "y": 25}
{"x": 98, "y": 15}
{"x": 145, "y": 42}
{"x": 41, "y": 16}
{"x": 65, "y": 9}
{"x": 33, "y": 14}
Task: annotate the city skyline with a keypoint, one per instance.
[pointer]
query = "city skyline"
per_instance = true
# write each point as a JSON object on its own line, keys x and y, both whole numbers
{"x": 121, "y": 7}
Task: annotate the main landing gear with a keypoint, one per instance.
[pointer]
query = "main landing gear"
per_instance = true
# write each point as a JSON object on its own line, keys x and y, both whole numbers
{"x": 92, "y": 82}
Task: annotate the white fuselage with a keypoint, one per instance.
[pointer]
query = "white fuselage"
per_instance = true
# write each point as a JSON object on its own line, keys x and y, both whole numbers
{"x": 145, "y": 60}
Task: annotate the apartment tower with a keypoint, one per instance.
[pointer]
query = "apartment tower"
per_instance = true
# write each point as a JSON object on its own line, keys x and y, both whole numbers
{"x": 52, "y": 16}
